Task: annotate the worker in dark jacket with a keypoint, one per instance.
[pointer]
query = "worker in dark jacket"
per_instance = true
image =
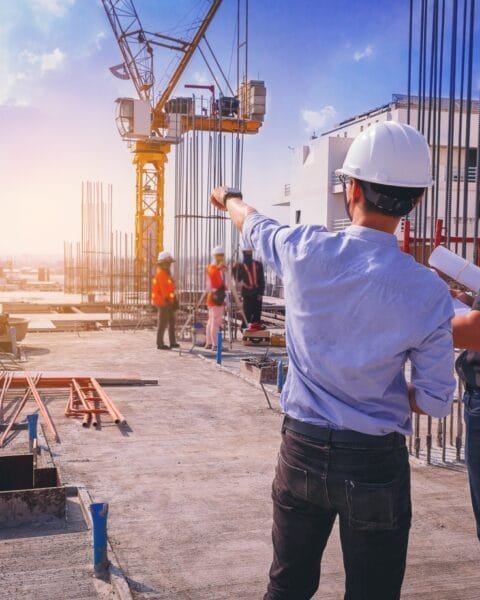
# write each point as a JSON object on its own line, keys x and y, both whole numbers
{"x": 466, "y": 335}
{"x": 165, "y": 299}
{"x": 249, "y": 274}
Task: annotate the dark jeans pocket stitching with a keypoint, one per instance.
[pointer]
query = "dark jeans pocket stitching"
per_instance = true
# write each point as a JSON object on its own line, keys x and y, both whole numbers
{"x": 383, "y": 497}
{"x": 294, "y": 479}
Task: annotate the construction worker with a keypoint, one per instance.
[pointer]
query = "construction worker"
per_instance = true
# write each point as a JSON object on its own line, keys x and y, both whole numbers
{"x": 249, "y": 273}
{"x": 357, "y": 308}
{"x": 165, "y": 299}
{"x": 466, "y": 334}
{"x": 216, "y": 293}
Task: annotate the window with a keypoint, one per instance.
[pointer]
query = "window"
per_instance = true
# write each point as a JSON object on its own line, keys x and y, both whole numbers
{"x": 298, "y": 214}
{"x": 472, "y": 165}
{"x": 472, "y": 157}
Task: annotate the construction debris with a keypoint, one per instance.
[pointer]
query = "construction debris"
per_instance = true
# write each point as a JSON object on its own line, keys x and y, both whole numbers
{"x": 85, "y": 398}
{"x": 257, "y": 338}
{"x": 30, "y": 385}
{"x": 261, "y": 369}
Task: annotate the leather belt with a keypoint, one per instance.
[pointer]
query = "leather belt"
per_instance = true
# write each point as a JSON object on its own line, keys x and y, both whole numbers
{"x": 342, "y": 436}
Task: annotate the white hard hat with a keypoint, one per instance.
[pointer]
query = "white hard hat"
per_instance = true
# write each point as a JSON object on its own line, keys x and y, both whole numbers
{"x": 165, "y": 256}
{"x": 218, "y": 250}
{"x": 389, "y": 153}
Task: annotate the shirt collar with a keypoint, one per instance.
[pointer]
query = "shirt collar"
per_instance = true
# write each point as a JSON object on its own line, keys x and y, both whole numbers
{"x": 372, "y": 235}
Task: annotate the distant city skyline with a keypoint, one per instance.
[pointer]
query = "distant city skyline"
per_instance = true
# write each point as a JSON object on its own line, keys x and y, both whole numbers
{"x": 321, "y": 62}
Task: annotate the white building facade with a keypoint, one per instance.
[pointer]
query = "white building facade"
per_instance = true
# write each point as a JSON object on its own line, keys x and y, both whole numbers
{"x": 315, "y": 195}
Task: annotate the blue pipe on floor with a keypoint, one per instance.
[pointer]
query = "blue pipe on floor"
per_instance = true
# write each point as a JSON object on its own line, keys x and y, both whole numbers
{"x": 219, "y": 347}
{"x": 99, "y": 511}
{"x": 32, "y": 421}
{"x": 280, "y": 375}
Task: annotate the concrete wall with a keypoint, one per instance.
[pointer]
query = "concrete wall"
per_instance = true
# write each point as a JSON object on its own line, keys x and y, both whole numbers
{"x": 312, "y": 191}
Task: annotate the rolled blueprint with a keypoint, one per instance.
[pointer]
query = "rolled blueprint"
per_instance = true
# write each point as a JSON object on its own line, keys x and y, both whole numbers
{"x": 456, "y": 267}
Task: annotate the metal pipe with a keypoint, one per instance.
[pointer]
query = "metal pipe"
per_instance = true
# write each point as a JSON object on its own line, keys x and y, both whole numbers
{"x": 112, "y": 409}
{"x": 99, "y": 512}
{"x": 43, "y": 409}
{"x": 32, "y": 421}
{"x": 219, "y": 347}
{"x": 13, "y": 418}
{"x": 279, "y": 376}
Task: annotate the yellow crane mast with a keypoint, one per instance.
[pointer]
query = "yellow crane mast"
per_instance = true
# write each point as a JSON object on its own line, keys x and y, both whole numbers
{"x": 155, "y": 121}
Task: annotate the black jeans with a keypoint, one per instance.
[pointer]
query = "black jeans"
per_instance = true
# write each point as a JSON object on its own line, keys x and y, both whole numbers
{"x": 367, "y": 484}
{"x": 252, "y": 307}
{"x": 471, "y": 401}
{"x": 166, "y": 318}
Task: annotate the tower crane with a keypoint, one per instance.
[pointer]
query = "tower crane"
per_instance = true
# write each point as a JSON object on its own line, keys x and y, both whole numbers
{"x": 155, "y": 121}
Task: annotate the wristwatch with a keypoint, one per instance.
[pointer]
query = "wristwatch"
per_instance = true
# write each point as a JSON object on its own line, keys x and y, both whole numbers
{"x": 231, "y": 193}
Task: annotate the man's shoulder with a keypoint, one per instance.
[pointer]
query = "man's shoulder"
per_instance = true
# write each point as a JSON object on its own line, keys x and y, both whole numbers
{"x": 413, "y": 274}
{"x": 432, "y": 282}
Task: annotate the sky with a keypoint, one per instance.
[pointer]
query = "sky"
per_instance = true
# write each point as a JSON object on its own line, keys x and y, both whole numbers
{"x": 321, "y": 61}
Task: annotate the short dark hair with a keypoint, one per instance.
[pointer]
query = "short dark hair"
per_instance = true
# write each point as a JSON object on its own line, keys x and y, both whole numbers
{"x": 390, "y": 200}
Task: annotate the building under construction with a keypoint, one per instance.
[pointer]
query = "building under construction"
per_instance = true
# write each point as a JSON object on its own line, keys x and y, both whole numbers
{"x": 175, "y": 450}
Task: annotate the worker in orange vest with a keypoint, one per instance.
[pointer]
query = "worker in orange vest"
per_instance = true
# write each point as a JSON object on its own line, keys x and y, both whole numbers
{"x": 217, "y": 290}
{"x": 165, "y": 299}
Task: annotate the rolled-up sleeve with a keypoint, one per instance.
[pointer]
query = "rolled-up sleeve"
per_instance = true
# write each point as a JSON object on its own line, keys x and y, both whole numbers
{"x": 267, "y": 237}
{"x": 432, "y": 371}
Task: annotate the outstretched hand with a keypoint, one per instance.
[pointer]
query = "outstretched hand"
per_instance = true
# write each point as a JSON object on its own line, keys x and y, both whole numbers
{"x": 217, "y": 197}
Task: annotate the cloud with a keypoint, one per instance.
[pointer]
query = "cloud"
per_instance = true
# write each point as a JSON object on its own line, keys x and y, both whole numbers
{"x": 101, "y": 35}
{"x": 47, "y": 61}
{"x": 316, "y": 119}
{"x": 365, "y": 53}
{"x": 201, "y": 78}
{"x": 21, "y": 80}
{"x": 57, "y": 8}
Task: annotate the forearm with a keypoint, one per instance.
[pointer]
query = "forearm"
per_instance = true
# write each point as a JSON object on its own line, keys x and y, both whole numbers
{"x": 238, "y": 211}
{"x": 413, "y": 402}
{"x": 466, "y": 331}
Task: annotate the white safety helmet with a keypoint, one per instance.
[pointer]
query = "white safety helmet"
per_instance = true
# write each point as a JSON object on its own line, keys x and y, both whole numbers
{"x": 389, "y": 153}
{"x": 165, "y": 257}
{"x": 218, "y": 250}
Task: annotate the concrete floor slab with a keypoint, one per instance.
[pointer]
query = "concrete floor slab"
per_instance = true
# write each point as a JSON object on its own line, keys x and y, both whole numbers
{"x": 188, "y": 479}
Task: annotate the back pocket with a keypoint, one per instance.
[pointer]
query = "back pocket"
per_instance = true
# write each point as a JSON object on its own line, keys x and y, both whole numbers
{"x": 378, "y": 506}
{"x": 291, "y": 479}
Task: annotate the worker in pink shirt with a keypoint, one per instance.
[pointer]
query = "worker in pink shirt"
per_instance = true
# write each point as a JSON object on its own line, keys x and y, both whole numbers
{"x": 216, "y": 288}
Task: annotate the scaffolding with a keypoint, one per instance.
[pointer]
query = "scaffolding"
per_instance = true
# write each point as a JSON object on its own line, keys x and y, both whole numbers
{"x": 204, "y": 160}
{"x": 87, "y": 263}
